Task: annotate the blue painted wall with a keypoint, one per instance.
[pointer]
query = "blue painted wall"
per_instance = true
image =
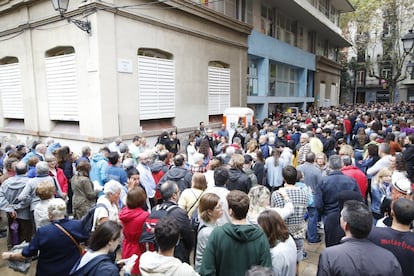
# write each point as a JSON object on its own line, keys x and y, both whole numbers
{"x": 267, "y": 47}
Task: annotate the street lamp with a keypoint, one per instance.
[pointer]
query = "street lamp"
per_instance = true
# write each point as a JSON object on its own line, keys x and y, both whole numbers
{"x": 408, "y": 41}
{"x": 62, "y": 6}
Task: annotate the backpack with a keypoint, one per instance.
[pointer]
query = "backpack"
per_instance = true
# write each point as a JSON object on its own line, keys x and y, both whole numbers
{"x": 147, "y": 239}
{"x": 195, "y": 221}
{"x": 87, "y": 221}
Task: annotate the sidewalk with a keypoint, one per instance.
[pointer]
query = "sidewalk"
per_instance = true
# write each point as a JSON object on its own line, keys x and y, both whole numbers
{"x": 309, "y": 267}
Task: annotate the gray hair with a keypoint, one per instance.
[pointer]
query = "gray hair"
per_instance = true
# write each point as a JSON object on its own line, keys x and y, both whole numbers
{"x": 128, "y": 163}
{"x": 40, "y": 148}
{"x": 347, "y": 160}
{"x": 237, "y": 140}
{"x": 167, "y": 189}
{"x": 112, "y": 187}
{"x": 373, "y": 136}
{"x": 230, "y": 151}
{"x": 86, "y": 150}
{"x": 335, "y": 162}
{"x": 57, "y": 208}
{"x": 42, "y": 168}
{"x": 384, "y": 148}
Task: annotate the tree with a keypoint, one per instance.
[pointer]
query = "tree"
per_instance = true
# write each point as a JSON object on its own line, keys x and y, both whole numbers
{"x": 375, "y": 30}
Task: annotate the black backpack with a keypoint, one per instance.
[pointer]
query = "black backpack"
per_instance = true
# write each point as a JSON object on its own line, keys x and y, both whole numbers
{"x": 148, "y": 231}
{"x": 87, "y": 220}
{"x": 195, "y": 221}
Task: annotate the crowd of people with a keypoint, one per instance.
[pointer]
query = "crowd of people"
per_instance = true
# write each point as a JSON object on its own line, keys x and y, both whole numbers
{"x": 220, "y": 205}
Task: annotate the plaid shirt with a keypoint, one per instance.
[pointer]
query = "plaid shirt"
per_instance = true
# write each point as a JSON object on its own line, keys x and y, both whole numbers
{"x": 200, "y": 169}
{"x": 296, "y": 223}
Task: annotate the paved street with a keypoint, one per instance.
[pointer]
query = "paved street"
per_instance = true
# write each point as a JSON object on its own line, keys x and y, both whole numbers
{"x": 307, "y": 267}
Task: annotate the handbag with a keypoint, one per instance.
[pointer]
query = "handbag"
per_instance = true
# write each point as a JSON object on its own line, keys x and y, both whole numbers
{"x": 82, "y": 251}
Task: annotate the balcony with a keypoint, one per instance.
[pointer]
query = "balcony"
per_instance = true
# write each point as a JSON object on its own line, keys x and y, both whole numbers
{"x": 311, "y": 17}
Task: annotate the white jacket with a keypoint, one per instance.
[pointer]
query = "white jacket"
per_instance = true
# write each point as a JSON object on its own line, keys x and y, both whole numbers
{"x": 152, "y": 263}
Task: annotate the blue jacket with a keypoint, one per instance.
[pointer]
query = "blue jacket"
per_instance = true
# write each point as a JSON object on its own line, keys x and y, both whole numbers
{"x": 116, "y": 173}
{"x": 330, "y": 186}
{"x": 101, "y": 265}
{"x": 99, "y": 164}
{"x": 57, "y": 252}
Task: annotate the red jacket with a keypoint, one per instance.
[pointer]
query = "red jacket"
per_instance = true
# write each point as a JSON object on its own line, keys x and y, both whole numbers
{"x": 61, "y": 179}
{"x": 348, "y": 126}
{"x": 132, "y": 222}
{"x": 359, "y": 177}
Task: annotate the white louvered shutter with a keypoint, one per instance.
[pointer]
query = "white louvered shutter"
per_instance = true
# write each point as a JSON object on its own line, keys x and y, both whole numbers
{"x": 62, "y": 88}
{"x": 156, "y": 85}
{"x": 218, "y": 90}
{"x": 11, "y": 91}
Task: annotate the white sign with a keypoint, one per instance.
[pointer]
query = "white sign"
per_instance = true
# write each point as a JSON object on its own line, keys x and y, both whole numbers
{"x": 124, "y": 66}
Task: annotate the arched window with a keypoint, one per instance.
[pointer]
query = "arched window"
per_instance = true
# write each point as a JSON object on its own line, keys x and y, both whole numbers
{"x": 156, "y": 84}
{"x": 218, "y": 87}
{"x": 62, "y": 84}
{"x": 11, "y": 88}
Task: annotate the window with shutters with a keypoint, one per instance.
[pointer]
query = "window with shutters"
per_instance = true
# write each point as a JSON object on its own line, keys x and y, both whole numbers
{"x": 62, "y": 84}
{"x": 218, "y": 87}
{"x": 156, "y": 84}
{"x": 11, "y": 88}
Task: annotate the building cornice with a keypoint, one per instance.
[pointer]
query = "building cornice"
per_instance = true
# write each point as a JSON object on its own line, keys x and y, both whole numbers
{"x": 210, "y": 14}
{"x": 184, "y": 6}
{"x": 321, "y": 60}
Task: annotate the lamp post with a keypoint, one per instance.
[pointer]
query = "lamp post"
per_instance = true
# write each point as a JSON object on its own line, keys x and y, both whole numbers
{"x": 408, "y": 41}
{"x": 62, "y": 6}
{"x": 408, "y": 45}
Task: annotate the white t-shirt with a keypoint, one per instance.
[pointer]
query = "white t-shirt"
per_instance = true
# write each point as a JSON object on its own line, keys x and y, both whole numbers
{"x": 101, "y": 212}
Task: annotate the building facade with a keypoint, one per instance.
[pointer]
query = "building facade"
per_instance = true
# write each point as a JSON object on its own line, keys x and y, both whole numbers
{"x": 293, "y": 54}
{"x": 143, "y": 67}
{"x": 377, "y": 60}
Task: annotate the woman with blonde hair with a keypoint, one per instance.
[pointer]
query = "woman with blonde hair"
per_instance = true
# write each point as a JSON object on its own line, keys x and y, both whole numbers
{"x": 59, "y": 178}
{"x": 210, "y": 210}
{"x": 259, "y": 199}
{"x": 252, "y": 146}
{"x": 45, "y": 191}
{"x": 379, "y": 189}
{"x": 190, "y": 197}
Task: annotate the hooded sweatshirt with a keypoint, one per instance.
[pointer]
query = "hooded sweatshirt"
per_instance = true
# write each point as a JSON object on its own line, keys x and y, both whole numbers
{"x": 248, "y": 246}
{"x": 238, "y": 180}
{"x": 99, "y": 163}
{"x": 152, "y": 263}
{"x": 180, "y": 175}
{"x": 9, "y": 191}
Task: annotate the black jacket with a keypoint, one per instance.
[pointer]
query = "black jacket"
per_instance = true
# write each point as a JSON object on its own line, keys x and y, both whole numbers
{"x": 238, "y": 180}
{"x": 180, "y": 175}
{"x": 186, "y": 243}
{"x": 408, "y": 156}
